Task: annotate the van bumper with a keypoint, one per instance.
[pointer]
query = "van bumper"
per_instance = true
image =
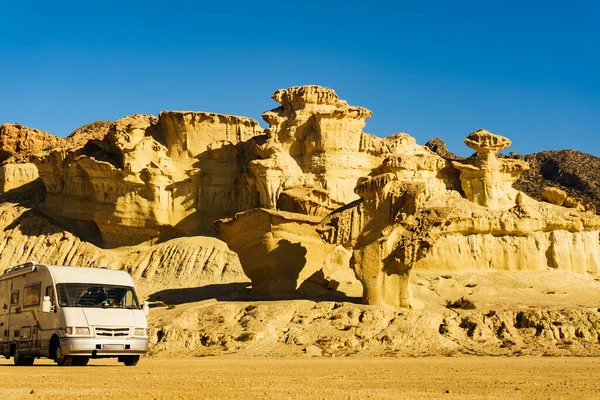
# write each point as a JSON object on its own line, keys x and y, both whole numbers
{"x": 80, "y": 346}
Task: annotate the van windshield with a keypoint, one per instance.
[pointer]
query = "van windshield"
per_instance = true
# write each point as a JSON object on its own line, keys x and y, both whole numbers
{"x": 93, "y": 295}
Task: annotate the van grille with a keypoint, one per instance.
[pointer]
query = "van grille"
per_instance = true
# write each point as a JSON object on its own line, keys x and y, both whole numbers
{"x": 112, "y": 332}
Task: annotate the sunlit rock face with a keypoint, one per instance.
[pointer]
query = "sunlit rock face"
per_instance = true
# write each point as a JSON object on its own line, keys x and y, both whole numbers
{"x": 486, "y": 179}
{"x": 145, "y": 178}
{"x": 317, "y": 139}
{"x": 13, "y": 176}
{"x": 310, "y": 162}
{"x": 407, "y": 221}
{"x": 151, "y": 177}
{"x": 17, "y": 144}
{"x": 311, "y": 196}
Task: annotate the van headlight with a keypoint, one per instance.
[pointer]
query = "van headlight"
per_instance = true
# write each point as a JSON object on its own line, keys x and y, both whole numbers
{"x": 78, "y": 330}
{"x": 139, "y": 332}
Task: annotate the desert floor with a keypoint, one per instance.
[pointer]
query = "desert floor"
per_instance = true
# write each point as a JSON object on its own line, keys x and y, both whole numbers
{"x": 309, "y": 378}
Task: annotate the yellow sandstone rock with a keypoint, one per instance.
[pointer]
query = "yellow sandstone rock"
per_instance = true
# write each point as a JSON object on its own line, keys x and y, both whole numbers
{"x": 554, "y": 195}
{"x": 283, "y": 255}
{"x": 151, "y": 177}
{"x": 403, "y": 223}
{"x": 17, "y": 144}
{"x": 311, "y": 204}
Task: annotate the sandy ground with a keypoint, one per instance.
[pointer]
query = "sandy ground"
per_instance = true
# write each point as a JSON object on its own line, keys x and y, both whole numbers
{"x": 308, "y": 378}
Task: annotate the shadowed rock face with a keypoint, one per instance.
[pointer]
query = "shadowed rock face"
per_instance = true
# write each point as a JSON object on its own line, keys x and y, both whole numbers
{"x": 577, "y": 173}
{"x": 283, "y": 255}
{"x": 96, "y": 130}
{"x": 307, "y": 200}
{"x": 438, "y": 146}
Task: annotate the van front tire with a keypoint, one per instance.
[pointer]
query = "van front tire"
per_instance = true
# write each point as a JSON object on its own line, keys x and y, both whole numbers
{"x": 61, "y": 359}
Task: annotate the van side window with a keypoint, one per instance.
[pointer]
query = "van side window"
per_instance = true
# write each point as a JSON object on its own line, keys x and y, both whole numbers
{"x": 14, "y": 298}
{"x": 31, "y": 295}
{"x": 50, "y": 293}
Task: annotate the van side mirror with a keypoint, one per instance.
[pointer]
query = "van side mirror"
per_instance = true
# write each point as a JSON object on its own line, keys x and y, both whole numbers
{"x": 46, "y": 305}
{"x": 146, "y": 308}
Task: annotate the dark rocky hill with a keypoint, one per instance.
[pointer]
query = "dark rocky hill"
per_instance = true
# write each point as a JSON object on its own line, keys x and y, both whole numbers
{"x": 575, "y": 172}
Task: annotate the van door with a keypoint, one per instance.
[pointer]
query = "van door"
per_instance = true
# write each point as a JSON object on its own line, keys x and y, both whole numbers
{"x": 31, "y": 304}
{"x": 47, "y": 323}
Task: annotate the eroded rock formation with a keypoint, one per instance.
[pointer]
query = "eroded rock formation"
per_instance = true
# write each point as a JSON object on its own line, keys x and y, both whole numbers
{"x": 401, "y": 224}
{"x": 96, "y": 130}
{"x": 316, "y": 139}
{"x": 17, "y": 144}
{"x": 26, "y": 234}
{"x": 572, "y": 171}
{"x": 313, "y": 155}
{"x": 144, "y": 178}
{"x": 307, "y": 200}
{"x": 486, "y": 179}
{"x": 151, "y": 177}
{"x": 282, "y": 254}
{"x": 391, "y": 205}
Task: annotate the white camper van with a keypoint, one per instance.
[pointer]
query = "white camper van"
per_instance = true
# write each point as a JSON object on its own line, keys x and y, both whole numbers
{"x": 70, "y": 314}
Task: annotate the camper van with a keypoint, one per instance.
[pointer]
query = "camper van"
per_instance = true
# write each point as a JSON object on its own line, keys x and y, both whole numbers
{"x": 70, "y": 314}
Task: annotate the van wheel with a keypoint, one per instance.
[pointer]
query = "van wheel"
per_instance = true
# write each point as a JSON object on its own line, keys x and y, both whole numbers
{"x": 22, "y": 360}
{"x": 129, "y": 361}
{"x": 61, "y": 359}
{"x": 80, "y": 361}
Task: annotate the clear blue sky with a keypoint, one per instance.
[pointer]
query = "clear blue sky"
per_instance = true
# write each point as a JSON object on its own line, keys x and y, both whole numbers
{"x": 523, "y": 69}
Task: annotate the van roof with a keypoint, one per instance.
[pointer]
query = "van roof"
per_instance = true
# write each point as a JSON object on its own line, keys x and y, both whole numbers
{"x": 62, "y": 274}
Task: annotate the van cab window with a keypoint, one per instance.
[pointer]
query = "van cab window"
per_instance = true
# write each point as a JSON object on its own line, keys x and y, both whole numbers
{"x": 93, "y": 295}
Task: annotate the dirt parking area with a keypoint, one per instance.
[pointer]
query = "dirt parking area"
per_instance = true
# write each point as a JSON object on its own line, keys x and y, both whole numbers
{"x": 308, "y": 378}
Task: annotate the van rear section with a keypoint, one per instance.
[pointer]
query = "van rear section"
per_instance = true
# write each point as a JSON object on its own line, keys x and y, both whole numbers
{"x": 70, "y": 314}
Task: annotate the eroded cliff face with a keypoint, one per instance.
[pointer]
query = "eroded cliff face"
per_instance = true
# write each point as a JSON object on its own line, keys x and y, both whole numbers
{"x": 28, "y": 234}
{"x": 17, "y": 144}
{"x": 283, "y": 255}
{"x": 314, "y": 138}
{"x": 307, "y": 203}
{"x": 402, "y": 223}
{"x": 151, "y": 177}
{"x": 313, "y": 155}
{"x": 144, "y": 178}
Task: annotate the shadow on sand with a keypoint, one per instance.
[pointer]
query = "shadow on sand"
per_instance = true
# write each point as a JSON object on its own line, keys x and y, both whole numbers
{"x": 238, "y": 291}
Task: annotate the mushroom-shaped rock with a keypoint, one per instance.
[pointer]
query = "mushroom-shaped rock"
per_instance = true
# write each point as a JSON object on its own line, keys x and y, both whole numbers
{"x": 486, "y": 179}
{"x": 483, "y": 141}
